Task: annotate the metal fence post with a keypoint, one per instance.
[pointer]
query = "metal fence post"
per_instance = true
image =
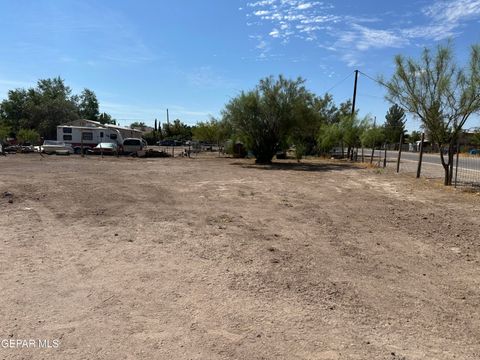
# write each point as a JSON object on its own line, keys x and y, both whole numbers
{"x": 385, "y": 157}
{"x": 456, "y": 163}
{"x": 420, "y": 157}
{"x": 399, "y": 153}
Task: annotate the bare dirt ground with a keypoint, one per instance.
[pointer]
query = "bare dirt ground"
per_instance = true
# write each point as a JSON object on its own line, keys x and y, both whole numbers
{"x": 213, "y": 258}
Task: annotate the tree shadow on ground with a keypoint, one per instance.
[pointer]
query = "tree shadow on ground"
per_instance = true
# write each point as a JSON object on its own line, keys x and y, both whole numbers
{"x": 302, "y": 166}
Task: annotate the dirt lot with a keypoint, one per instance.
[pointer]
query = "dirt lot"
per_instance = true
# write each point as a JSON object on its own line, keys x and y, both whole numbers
{"x": 212, "y": 258}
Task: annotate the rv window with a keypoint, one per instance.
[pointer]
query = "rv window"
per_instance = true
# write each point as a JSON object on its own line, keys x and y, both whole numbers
{"x": 113, "y": 136}
{"x": 101, "y": 133}
{"x": 67, "y": 130}
{"x": 87, "y": 136}
{"x": 67, "y": 137}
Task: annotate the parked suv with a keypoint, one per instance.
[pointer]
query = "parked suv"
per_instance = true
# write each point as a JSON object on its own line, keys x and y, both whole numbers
{"x": 132, "y": 145}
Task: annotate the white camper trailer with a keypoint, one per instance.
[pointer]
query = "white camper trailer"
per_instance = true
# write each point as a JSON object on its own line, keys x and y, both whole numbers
{"x": 87, "y": 136}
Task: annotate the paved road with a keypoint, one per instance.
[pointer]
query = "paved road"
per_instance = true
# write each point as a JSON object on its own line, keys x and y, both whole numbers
{"x": 469, "y": 163}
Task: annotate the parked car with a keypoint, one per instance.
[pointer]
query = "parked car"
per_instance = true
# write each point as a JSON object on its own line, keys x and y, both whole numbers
{"x": 474, "y": 152}
{"x": 132, "y": 145}
{"x": 58, "y": 147}
{"x": 106, "y": 148}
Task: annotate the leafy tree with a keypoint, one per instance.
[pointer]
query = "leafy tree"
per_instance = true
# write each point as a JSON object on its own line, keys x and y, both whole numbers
{"x": 88, "y": 105}
{"x": 138, "y": 125}
{"x": 207, "y": 131}
{"x": 42, "y": 108}
{"x": 105, "y": 118}
{"x": 351, "y": 128}
{"x": 177, "y": 131}
{"x": 329, "y": 136}
{"x": 150, "y": 138}
{"x": 28, "y": 136}
{"x": 52, "y": 105}
{"x": 264, "y": 117}
{"x": 14, "y": 111}
{"x": 394, "y": 124}
{"x": 49, "y": 104}
{"x": 441, "y": 94}
{"x": 300, "y": 149}
{"x": 346, "y": 132}
{"x": 372, "y": 137}
{"x": 330, "y": 113}
{"x": 4, "y": 132}
{"x": 304, "y": 134}
{"x": 476, "y": 137}
{"x": 414, "y": 137}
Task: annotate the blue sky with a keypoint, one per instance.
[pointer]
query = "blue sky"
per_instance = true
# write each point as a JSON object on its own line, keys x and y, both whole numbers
{"x": 142, "y": 57}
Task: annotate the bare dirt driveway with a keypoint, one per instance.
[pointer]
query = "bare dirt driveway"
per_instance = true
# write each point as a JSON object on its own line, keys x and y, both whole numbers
{"x": 213, "y": 258}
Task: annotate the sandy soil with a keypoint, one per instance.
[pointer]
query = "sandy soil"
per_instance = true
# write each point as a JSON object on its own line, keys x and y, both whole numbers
{"x": 213, "y": 258}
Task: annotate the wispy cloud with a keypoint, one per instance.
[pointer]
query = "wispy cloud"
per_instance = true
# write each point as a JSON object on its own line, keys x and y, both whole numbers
{"x": 206, "y": 77}
{"x": 453, "y": 11}
{"x": 351, "y": 35}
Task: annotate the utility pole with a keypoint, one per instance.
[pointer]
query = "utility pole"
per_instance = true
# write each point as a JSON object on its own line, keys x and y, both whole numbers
{"x": 354, "y": 93}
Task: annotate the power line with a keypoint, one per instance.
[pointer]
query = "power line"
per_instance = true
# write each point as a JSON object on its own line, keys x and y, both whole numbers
{"x": 377, "y": 81}
{"x": 340, "y": 82}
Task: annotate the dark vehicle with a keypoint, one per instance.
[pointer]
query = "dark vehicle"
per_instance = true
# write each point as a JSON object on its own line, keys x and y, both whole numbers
{"x": 170, "y": 143}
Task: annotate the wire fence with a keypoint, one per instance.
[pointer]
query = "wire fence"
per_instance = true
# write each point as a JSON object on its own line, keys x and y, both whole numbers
{"x": 466, "y": 163}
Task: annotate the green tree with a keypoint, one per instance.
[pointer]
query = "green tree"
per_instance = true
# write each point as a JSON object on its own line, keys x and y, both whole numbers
{"x": 42, "y": 108}
{"x": 440, "y": 93}
{"x": 394, "y": 124}
{"x": 88, "y": 105}
{"x": 346, "y": 132}
{"x": 138, "y": 125}
{"x": 304, "y": 134}
{"x": 28, "y": 136}
{"x": 150, "y": 138}
{"x": 177, "y": 131}
{"x": 329, "y": 136}
{"x": 49, "y": 104}
{"x": 475, "y": 140}
{"x": 14, "y": 111}
{"x": 351, "y": 129}
{"x": 4, "y": 131}
{"x": 373, "y": 137}
{"x": 208, "y": 131}
{"x": 414, "y": 136}
{"x": 53, "y": 105}
{"x": 105, "y": 118}
{"x": 265, "y": 116}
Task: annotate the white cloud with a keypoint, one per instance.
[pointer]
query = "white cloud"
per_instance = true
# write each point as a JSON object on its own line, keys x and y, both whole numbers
{"x": 304, "y": 6}
{"x": 366, "y": 38}
{"x": 453, "y": 11}
{"x": 274, "y": 33}
{"x": 350, "y": 35}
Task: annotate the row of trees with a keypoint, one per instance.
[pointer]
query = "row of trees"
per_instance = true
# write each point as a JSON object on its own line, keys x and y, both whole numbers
{"x": 39, "y": 110}
{"x": 177, "y": 130}
{"x": 281, "y": 112}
